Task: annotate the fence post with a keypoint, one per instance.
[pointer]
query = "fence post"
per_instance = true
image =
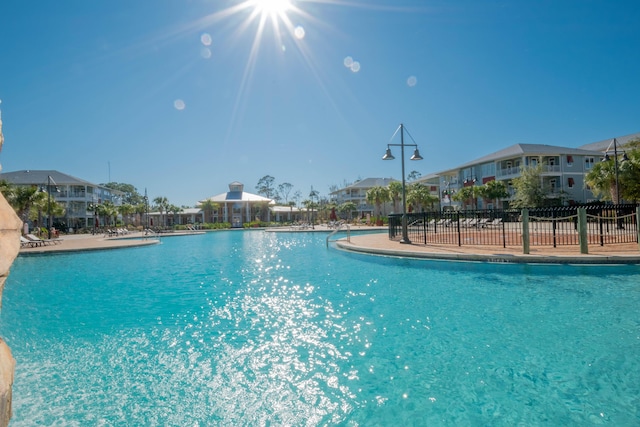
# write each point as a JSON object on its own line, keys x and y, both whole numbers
{"x": 638, "y": 225}
{"x": 458, "y": 228}
{"x": 582, "y": 231}
{"x": 525, "y": 231}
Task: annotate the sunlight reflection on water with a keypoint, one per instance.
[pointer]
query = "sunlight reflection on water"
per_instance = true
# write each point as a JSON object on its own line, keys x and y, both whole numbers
{"x": 248, "y": 328}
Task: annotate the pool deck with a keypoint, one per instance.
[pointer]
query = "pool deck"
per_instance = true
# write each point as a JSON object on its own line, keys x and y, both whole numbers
{"x": 92, "y": 242}
{"x": 378, "y": 243}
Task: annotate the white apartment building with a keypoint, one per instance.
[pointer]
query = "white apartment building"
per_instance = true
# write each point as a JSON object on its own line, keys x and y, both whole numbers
{"x": 75, "y": 194}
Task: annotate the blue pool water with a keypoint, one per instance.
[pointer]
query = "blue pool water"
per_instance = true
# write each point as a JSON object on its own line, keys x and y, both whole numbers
{"x": 254, "y": 328}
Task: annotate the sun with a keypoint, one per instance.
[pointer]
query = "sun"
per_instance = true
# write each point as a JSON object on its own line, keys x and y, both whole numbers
{"x": 272, "y": 7}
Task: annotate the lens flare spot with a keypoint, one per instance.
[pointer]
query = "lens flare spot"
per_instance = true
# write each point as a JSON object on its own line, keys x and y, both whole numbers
{"x": 412, "y": 81}
{"x": 179, "y": 104}
{"x": 205, "y": 52}
{"x": 299, "y": 32}
{"x": 206, "y": 39}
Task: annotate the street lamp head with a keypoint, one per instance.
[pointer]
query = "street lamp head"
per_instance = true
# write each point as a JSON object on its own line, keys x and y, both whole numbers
{"x": 625, "y": 157}
{"x": 388, "y": 155}
{"x": 416, "y": 155}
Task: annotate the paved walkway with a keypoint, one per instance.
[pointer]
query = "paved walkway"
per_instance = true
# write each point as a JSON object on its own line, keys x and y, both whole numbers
{"x": 379, "y": 244}
{"x": 89, "y": 242}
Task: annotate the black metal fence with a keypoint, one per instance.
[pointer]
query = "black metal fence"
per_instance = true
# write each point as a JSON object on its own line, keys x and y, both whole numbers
{"x": 557, "y": 226}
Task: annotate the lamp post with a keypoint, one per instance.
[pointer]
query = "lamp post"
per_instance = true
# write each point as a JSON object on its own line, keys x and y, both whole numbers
{"x": 615, "y": 165}
{"x": 416, "y": 156}
{"x": 617, "y": 172}
{"x": 146, "y": 210}
{"x": 50, "y": 218}
{"x": 94, "y": 207}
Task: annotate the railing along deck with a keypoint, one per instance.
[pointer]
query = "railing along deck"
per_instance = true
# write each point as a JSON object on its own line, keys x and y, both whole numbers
{"x": 606, "y": 224}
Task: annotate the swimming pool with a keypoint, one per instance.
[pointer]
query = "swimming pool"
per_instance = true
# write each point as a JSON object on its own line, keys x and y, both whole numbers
{"x": 253, "y": 328}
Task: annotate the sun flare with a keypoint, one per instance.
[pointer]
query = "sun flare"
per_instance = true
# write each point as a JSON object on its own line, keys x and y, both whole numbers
{"x": 272, "y": 7}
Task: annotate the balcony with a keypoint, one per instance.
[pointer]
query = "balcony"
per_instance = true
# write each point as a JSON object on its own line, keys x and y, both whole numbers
{"x": 551, "y": 169}
{"x": 511, "y": 172}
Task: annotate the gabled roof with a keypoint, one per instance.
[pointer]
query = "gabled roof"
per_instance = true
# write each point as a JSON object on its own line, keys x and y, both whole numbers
{"x": 37, "y": 177}
{"x": 430, "y": 179}
{"x": 604, "y": 145}
{"x": 367, "y": 183}
{"x": 519, "y": 150}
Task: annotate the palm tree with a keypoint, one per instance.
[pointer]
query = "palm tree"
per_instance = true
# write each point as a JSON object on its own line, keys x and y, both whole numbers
{"x": 420, "y": 196}
{"x": 208, "y": 206}
{"x": 395, "y": 194}
{"x": 140, "y": 210}
{"x": 314, "y": 205}
{"x": 308, "y": 204}
{"x": 175, "y": 210}
{"x": 291, "y": 204}
{"x": 603, "y": 180}
{"x": 348, "y": 208}
{"x": 377, "y": 196}
{"x": 494, "y": 190}
{"x": 7, "y": 189}
{"x": 126, "y": 210}
{"x": 161, "y": 204}
{"x": 24, "y": 198}
{"x": 466, "y": 194}
{"x": 108, "y": 210}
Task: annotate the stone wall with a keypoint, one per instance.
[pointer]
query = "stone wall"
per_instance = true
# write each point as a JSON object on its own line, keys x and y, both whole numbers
{"x": 10, "y": 226}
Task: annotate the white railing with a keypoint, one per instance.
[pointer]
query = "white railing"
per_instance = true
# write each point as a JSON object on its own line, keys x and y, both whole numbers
{"x": 348, "y": 227}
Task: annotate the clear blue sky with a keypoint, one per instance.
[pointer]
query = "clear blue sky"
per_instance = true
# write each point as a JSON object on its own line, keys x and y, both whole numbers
{"x": 184, "y": 97}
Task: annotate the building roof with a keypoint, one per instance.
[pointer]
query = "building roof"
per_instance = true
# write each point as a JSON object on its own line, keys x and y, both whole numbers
{"x": 238, "y": 196}
{"x": 367, "y": 183}
{"x": 25, "y": 177}
{"x": 607, "y": 144}
{"x": 285, "y": 209}
{"x": 519, "y": 150}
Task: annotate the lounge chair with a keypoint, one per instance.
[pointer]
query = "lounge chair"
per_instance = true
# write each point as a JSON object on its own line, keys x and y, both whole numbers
{"x": 482, "y": 223}
{"x": 465, "y": 222}
{"x": 26, "y": 243}
{"x": 42, "y": 242}
{"x": 472, "y": 222}
{"x": 444, "y": 222}
{"x": 495, "y": 223}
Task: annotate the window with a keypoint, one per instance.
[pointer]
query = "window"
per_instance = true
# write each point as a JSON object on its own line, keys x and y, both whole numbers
{"x": 569, "y": 160}
{"x": 553, "y": 185}
{"x": 571, "y": 182}
{"x": 588, "y": 162}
